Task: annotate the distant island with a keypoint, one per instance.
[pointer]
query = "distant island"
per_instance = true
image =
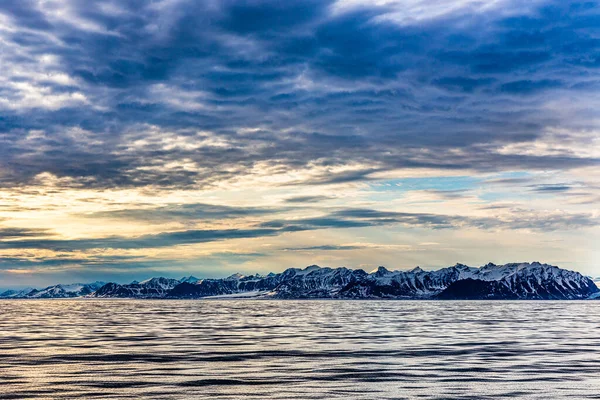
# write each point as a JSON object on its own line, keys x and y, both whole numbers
{"x": 516, "y": 281}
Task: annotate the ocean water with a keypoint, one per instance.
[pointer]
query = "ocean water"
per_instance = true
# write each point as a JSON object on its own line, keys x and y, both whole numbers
{"x": 253, "y": 349}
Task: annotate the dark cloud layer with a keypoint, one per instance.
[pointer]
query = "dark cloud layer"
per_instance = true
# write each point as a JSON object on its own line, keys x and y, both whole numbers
{"x": 555, "y": 188}
{"x": 16, "y": 233}
{"x": 317, "y": 88}
{"x": 328, "y": 247}
{"x": 166, "y": 239}
{"x": 184, "y": 212}
{"x": 307, "y": 199}
{"x": 341, "y": 219}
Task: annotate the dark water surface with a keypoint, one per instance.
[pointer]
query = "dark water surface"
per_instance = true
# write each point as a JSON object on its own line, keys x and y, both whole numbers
{"x": 250, "y": 349}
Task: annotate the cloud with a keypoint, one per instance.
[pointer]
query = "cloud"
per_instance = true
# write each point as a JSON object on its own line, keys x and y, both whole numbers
{"x": 166, "y": 239}
{"x": 551, "y": 188}
{"x": 462, "y": 83}
{"x": 182, "y": 212}
{"x": 124, "y": 122}
{"x": 325, "y": 248}
{"x": 516, "y": 219}
{"x": 307, "y": 199}
{"x": 113, "y": 263}
{"x": 529, "y": 87}
{"x": 16, "y": 233}
{"x": 316, "y": 86}
{"x": 448, "y": 194}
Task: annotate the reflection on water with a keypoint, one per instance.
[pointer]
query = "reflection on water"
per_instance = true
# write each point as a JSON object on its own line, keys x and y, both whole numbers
{"x": 127, "y": 349}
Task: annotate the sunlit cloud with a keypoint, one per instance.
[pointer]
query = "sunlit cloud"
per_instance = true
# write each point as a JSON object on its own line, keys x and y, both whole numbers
{"x": 160, "y": 138}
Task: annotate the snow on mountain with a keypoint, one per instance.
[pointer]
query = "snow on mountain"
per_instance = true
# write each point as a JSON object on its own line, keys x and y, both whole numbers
{"x": 160, "y": 283}
{"x": 189, "y": 279}
{"x": 149, "y": 288}
{"x": 523, "y": 281}
{"x": 491, "y": 281}
{"x": 57, "y": 291}
{"x": 518, "y": 280}
{"x": 415, "y": 283}
{"x": 19, "y": 293}
{"x": 594, "y": 296}
{"x": 313, "y": 282}
{"x": 236, "y": 283}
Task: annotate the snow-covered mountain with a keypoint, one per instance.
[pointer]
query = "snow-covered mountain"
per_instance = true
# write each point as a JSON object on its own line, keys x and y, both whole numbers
{"x": 55, "y": 291}
{"x": 515, "y": 281}
{"x": 316, "y": 282}
{"x": 234, "y": 284}
{"x": 15, "y": 294}
{"x": 509, "y": 281}
{"x": 522, "y": 281}
{"x": 189, "y": 279}
{"x": 150, "y": 288}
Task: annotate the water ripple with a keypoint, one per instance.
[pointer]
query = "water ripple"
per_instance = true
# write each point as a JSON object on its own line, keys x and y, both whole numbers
{"x": 247, "y": 349}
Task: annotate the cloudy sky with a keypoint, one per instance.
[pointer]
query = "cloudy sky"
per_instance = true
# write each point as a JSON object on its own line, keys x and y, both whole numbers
{"x": 169, "y": 137}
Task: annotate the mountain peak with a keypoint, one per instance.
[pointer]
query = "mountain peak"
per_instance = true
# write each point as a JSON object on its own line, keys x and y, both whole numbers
{"x": 189, "y": 279}
{"x": 537, "y": 263}
{"x": 381, "y": 270}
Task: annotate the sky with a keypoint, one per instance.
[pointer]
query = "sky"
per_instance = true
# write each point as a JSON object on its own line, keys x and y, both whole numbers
{"x": 142, "y": 138}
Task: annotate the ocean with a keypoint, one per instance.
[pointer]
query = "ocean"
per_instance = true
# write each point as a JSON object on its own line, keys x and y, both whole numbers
{"x": 311, "y": 349}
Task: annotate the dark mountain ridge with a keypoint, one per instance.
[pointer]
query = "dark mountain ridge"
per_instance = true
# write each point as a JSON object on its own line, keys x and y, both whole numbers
{"x": 518, "y": 281}
{"x": 509, "y": 281}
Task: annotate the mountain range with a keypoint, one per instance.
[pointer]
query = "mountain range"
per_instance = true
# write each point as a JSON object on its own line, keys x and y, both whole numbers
{"x": 59, "y": 291}
{"x": 527, "y": 281}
